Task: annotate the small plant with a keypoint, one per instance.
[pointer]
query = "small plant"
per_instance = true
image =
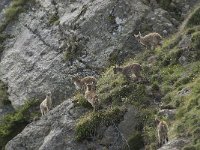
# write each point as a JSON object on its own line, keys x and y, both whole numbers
{"x": 165, "y": 3}
{"x": 11, "y": 12}
{"x": 172, "y": 58}
{"x": 3, "y": 94}
{"x": 80, "y": 100}
{"x": 196, "y": 40}
{"x": 136, "y": 141}
{"x": 54, "y": 19}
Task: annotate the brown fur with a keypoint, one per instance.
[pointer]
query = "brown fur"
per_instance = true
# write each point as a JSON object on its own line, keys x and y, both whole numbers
{"x": 81, "y": 83}
{"x": 150, "y": 40}
{"x": 162, "y": 129}
{"x": 129, "y": 70}
{"x": 91, "y": 96}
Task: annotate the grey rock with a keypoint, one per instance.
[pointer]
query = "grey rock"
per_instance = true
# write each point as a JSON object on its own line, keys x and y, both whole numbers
{"x": 53, "y": 131}
{"x": 33, "y": 60}
{"x": 110, "y": 136}
{"x": 56, "y": 130}
{"x": 127, "y": 126}
{"x": 185, "y": 42}
{"x": 184, "y": 92}
{"x": 168, "y": 113}
{"x": 33, "y": 63}
{"x": 175, "y": 144}
{"x": 183, "y": 60}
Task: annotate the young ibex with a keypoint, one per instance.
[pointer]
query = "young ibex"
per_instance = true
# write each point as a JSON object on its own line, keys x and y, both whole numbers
{"x": 162, "y": 130}
{"x": 91, "y": 96}
{"x": 129, "y": 70}
{"x": 81, "y": 83}
{"x": 46, "y": 105}
{"x": 150, "y": 40}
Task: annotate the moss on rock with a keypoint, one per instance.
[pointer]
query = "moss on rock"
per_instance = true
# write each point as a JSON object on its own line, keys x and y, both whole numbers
{"x": 88, "y": 124}
{"x": 14, "y": 123}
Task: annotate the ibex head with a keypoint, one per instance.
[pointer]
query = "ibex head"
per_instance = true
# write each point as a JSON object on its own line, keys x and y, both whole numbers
{"x": 116, "y": 69}
{"x": 49, "y": 94}
{"x": 157, "y": 121}
{"x": 138, "y": 36}
{"x": 89, "y": 87}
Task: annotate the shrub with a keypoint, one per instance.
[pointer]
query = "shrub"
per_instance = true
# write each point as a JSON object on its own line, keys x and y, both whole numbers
{"x": 80, "y": 100}
{"x": 189, "y": 148}
{"x": 136, "y": 141}
{"x": 53, "y": 19}
{"x": 196, "y": 40}
{"x": 14, "y": 123}
{"x": 172, "y": 58}
{"x": 194, "y": 18}
{"x": 165, "y": 4}
{"x": 88, "y": 124}
{"x": 3, "y": 94}
{"x": 12, "y": 12}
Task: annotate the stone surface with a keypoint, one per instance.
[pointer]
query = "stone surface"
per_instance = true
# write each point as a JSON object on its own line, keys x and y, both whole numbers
{"x": 33, "y": 63}
{"x": 175, "y": 144}
{"x": 168, "y": 113}
{"x": 53, "y": 131}
{"x": 56, "y": 130}
{"x": 5, "y": 110}
{"x": 33, "y": 60}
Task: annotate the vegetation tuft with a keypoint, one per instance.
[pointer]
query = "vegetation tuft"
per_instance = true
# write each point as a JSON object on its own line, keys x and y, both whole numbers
{"x": 14, "y": 123}
{"x": 88, "y": 124}
{"x": 3, "y": 94}
{"x": 194, "y": 18}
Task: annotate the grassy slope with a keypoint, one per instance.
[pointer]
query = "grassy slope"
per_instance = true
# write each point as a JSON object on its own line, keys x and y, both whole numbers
{"x": 168, "y": 78}
{"x": 175, "y": 78}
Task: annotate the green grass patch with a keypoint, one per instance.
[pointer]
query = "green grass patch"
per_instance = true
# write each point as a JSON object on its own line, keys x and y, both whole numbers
{"x": 14, "y": 123}
{"x": 136, "y": 141}
{"x": 80, "y": 100}
{"x": 54, "y": 19}
{"x": 165, "y": 4}
{"x": 115, "y": 89}
{"x": 87, "y": 125}
{"x": 196, "y": 40}
{"x": 11, "y": 13}
{"x": 3, "y": 94}
{"x": 194, "y": 18}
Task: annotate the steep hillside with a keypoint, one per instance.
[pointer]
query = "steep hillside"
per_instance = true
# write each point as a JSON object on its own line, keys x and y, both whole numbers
{"x": 45, "y": 43}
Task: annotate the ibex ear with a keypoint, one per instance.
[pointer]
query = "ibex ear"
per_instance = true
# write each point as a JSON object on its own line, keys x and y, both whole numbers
{"x": 157, "y": 121}
{"x": 140, "y": 34}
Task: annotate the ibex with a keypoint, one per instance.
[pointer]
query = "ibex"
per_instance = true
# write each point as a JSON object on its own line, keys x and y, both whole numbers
{"x": 162, "y": 130}
{"x": 91, "y": 96}
{"x": 81, "y": 83}
{"x": 150, "y": 40}
{"x": 129, "y": 70}
{"x": 46, "y": 105}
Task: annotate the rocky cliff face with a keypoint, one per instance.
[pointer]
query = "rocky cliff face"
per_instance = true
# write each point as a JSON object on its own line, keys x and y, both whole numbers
{"x": 33, "y": 60}
{"x": 56, "y": 130}
{"x": 53, "y": 40}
